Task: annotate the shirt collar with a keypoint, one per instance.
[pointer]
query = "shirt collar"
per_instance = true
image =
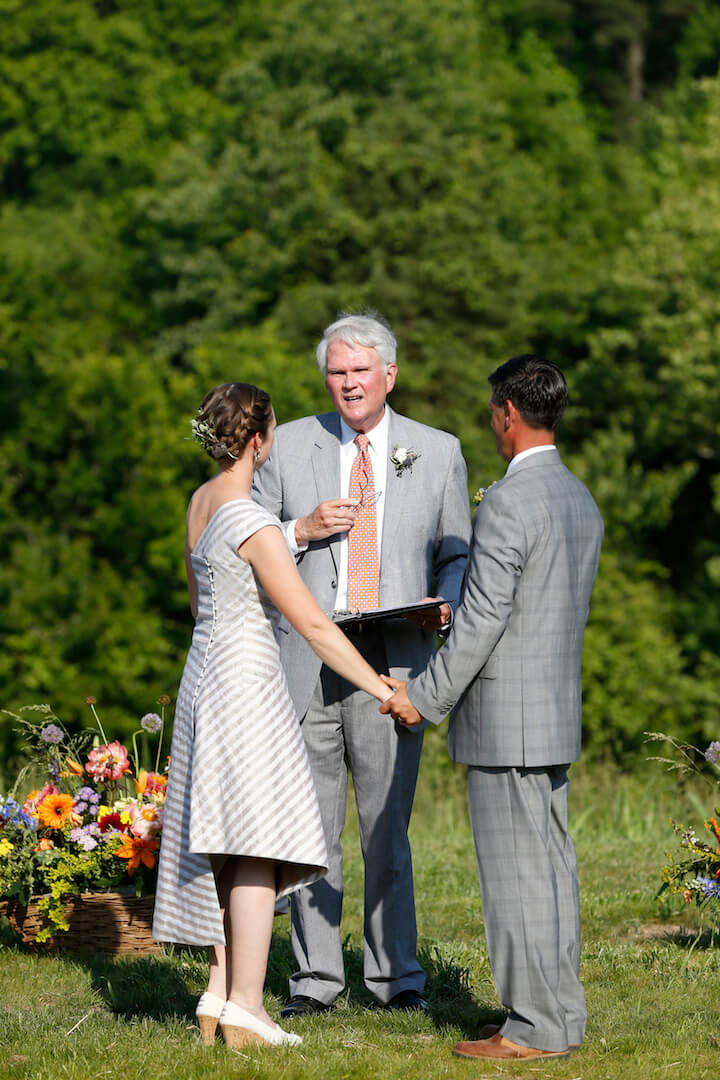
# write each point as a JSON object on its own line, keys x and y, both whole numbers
{"x": 528, "y": 453}
{"x": 376, "y": 437}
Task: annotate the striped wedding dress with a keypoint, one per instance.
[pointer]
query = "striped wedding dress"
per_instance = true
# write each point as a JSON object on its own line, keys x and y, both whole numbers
{"x": 239, "y": 780}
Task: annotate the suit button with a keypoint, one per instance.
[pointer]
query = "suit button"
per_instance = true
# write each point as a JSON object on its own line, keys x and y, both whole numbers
{"x": 333, "y": 584}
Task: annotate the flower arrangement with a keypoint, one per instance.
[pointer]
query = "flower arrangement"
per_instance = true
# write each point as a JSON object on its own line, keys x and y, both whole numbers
{"x": 695, "y": 872}
{"x": 94, "y": 825}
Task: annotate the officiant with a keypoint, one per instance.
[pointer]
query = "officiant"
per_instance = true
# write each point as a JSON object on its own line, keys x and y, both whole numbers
{"x": 376, "y": 510}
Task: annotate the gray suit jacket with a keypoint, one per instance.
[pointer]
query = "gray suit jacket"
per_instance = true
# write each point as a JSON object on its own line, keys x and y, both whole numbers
{"x": 426, "y": 529}
{"x": 510, "y": 669}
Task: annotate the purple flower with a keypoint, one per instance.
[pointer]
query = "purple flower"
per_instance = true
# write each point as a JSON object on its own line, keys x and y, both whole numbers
{"x": 709, "y": 886}
{"x": 712, "y": 754}
{"x": 83, "y": 838}
{"x": 51, "y": 733}
{"x": 151, "y": 722}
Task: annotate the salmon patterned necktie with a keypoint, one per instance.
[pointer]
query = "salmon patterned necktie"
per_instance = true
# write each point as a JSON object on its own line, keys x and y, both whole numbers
{"x": 363, "y": 563}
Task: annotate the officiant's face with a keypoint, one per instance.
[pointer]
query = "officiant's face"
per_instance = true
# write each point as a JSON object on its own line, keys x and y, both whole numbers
{"x": 358, "y": 384}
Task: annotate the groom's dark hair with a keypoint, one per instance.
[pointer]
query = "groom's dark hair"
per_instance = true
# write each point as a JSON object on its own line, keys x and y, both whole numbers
{"x": 536, "y": 387}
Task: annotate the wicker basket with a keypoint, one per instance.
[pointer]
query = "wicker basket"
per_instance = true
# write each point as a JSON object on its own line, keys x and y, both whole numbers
{"x": 111, "y": 923}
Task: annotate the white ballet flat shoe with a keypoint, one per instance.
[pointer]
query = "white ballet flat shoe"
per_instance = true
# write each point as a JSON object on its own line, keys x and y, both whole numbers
{"x": 208, "y": 1011}
{"x": 240, "y": 1027}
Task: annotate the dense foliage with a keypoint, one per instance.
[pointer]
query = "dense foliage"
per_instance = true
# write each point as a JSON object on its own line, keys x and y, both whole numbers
{"x": 191, "y": 191}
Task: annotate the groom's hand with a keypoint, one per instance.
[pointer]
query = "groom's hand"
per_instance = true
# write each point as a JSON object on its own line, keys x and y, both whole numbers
{"x": 399, "y": 705}
{"x": 328, "y": 518}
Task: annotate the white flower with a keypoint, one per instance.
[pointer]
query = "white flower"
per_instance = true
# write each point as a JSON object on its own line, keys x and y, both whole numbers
{"x": 403, "y": 457}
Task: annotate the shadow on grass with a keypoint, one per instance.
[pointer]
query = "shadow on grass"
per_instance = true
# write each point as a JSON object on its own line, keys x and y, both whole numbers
{"x": 165, "y": 986}
{"x": 447, "y": 988}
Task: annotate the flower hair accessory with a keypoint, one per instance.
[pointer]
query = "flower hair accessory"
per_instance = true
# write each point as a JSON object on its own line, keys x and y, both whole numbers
{"x": 204, "y": 432}
{"x": 404, "y": 457}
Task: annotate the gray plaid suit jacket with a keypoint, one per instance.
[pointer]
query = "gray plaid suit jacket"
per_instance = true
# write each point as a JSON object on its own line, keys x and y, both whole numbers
{"x": 426, "y": 529}
{"x": 510, "y": 668}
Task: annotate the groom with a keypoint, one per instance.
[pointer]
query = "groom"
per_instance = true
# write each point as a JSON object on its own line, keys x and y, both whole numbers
{"x": 510, "y": 672}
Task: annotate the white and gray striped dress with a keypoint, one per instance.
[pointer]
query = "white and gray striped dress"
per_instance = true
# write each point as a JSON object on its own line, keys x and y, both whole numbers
{"x": 239, "y": 782}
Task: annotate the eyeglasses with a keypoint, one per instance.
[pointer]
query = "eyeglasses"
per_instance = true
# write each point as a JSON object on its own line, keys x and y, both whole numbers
{"x": 368, "y": 498}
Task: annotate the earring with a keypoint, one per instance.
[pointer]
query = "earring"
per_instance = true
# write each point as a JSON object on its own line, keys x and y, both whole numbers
{"x": 256, "y": 455}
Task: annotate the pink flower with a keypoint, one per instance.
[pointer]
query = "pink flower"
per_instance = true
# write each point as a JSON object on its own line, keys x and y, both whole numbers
{"x": 36, "y": 797}
{"x": 147, "y": 819}
{"x": 108, "y": 762}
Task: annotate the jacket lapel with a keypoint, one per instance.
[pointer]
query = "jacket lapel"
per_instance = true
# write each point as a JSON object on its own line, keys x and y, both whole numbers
{"x": 325, "y": 463}
{"x": 393, "y": 488}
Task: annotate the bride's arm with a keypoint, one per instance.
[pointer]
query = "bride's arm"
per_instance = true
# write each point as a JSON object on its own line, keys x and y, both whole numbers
{"x": 268, "y": 554}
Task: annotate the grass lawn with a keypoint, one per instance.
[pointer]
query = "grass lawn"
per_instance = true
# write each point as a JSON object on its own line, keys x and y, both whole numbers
{"x": 653, "y": 986}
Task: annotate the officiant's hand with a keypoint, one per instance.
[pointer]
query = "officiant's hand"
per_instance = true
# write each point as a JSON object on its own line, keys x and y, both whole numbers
{"x": 434, "y": 619}
{"x": 328, "y": 518}
{"x": 399, "y": 705}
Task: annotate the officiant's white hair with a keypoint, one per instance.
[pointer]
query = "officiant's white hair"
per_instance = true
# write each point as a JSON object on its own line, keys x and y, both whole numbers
{"x": 368, "y": 329}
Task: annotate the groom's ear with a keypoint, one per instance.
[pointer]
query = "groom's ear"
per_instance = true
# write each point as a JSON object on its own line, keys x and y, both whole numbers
{"x": 510, "y": 413}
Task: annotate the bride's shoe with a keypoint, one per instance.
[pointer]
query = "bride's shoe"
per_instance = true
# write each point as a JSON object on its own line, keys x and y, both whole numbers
{"x": 208, "y": 1011}
{"x": 239, "y": 1027}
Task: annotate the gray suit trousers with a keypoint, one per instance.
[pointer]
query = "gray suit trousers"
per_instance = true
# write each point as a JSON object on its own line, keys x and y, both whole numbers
{"x": 529, "y": 884}
{"x": 343, "y": 728}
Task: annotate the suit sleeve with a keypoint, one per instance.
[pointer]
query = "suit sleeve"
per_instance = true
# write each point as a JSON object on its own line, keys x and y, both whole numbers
{"x": 267, "y": 488}
{"x": 453, "y": 535}
{"x": 498, "y": 553}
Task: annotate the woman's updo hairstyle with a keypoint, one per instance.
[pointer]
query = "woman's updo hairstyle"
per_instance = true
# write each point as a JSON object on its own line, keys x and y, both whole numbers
{"x": 229, "y": 417}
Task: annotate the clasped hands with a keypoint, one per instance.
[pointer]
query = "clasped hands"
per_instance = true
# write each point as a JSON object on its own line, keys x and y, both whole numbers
{"x": 399, "y": 705}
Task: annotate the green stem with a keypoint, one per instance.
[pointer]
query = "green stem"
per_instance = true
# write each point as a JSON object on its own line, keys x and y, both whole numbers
{"x": 104, "y": 736}
{"x": 136, "y": 752}
{"x": 160, "y": 738}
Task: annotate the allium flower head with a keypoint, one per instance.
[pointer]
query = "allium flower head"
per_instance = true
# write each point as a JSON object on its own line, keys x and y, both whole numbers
{"x": 712, "y": 754}
{"x": 164, "y": 699}
{"x": 108, "y": 762}
{"x": 51, "y": 733}
{"x": 151, "y": 722}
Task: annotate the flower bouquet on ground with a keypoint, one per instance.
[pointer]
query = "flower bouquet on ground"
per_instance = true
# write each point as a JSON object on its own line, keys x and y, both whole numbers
{"x": 95, "y": 824}
{"x": 694, "y": 872}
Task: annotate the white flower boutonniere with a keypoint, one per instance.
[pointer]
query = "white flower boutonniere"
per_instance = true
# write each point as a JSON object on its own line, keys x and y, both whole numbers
{"x": 481, "y": 493}
{"x": 404, "y": 457}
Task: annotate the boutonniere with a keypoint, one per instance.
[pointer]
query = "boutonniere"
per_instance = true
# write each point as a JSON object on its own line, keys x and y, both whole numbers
{"x": 481, "y": 493}
{"x": 404, "y": 457}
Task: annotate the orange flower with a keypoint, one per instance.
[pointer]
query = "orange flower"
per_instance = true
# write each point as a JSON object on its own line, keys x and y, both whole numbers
{"x": 141, "y": 782}
{"x": 137, "y": 851}
{"x": 75, "y": 767}
{"x": 715, "y": 829}
{"x": 55, "y": 810}
{"x": 44, "y": 845}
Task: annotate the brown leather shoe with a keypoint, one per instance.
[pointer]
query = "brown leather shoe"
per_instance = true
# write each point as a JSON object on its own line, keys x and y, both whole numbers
{"x": 498, "y": 1047}
{"x": 488, "y": 1030}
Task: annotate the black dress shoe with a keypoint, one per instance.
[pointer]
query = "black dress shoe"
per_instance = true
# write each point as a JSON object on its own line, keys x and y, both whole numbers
{"x": 301, "y": 1005}
{"x": 408, "y": 1001}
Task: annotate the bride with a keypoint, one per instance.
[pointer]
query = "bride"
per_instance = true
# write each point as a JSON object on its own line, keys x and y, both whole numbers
{"x": 242, "y": 825}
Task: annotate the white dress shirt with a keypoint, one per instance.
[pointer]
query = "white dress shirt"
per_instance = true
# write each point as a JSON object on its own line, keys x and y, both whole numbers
{"x": 378, "y": 450}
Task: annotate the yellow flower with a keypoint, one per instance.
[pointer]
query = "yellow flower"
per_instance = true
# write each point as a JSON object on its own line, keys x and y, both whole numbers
{"x": 126, "y": 818}
{"x": 5, "y": 846}
{"x": 103, "y": 810}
